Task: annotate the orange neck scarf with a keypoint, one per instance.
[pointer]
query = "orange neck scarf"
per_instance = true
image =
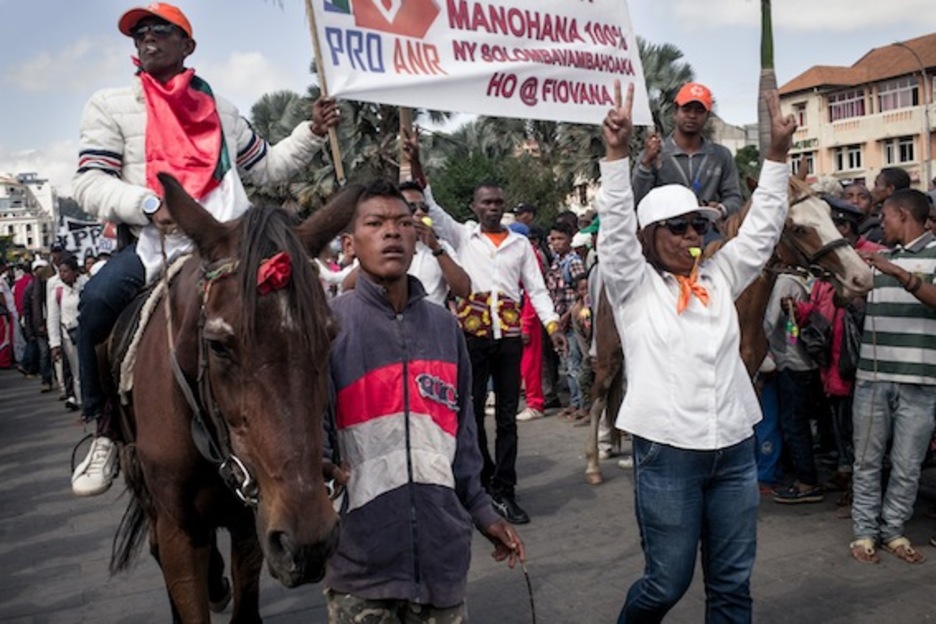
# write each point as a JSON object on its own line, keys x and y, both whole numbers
{"x": 688, "y": 286}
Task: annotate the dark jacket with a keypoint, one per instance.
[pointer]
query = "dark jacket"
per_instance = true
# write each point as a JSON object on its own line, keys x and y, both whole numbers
{"x": 34, "y": 319}
{"x": 406, "y": 429}
{"x": 710, "y": 173}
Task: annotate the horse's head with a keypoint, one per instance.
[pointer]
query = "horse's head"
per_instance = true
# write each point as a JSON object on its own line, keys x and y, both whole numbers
{"x": 810, "y": 240}
{"x": 264, "y": 336}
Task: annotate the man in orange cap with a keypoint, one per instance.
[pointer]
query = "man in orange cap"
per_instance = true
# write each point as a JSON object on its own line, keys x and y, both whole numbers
{"x": 168, "y": 120}
{"x": 686, "y": 157}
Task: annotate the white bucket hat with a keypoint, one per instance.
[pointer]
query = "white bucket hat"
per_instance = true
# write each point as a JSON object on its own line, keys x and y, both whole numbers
{"x": 581, "y": 240}
{"x": 671, "y": 200}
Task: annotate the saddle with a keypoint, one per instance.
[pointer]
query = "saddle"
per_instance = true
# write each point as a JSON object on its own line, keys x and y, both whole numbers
{"x": 129, "y": 328}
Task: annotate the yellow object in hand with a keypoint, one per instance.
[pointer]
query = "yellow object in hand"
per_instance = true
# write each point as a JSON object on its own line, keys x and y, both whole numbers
{"x": 427, "y": 221}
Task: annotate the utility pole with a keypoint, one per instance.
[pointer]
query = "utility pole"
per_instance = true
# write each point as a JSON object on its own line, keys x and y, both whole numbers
{"x": 925, "y": 90}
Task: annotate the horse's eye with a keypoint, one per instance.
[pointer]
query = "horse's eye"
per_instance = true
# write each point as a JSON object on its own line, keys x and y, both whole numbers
{"x": 219, "y": 349}
{"x": 799, "y": 229}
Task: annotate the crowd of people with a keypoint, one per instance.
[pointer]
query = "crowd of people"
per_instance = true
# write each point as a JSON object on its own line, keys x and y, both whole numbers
{"x": 517, "y": 298}
{"x": 40, "y": 312}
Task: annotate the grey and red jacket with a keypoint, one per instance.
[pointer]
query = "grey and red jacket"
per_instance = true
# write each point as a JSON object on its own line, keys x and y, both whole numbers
{"x": 405, "y": 427}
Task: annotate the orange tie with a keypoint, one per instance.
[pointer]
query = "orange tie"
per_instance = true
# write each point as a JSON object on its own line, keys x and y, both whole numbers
{"x": 688, "y": 286}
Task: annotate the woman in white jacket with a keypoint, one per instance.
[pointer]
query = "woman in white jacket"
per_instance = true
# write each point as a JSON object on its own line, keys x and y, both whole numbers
{"x": 690, "y": 405}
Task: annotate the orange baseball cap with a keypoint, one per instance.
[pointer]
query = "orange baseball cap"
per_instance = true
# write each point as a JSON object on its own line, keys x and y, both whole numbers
{"x": 162, "y": 10}
{"x": 694, "y": 92}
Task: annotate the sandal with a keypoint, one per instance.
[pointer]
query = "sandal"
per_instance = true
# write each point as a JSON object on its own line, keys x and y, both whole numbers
{"x": 901, "y": 548}
{"x": 864, "y": 550}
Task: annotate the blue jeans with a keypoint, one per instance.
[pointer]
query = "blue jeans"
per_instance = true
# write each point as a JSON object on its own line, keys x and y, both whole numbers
{"x": 683, "y": 497}
{"x": 767, "y": 433}
{"x": 793, "y": 391}
{"x": 883, "y": 409}
{"x": 102, "y": 301}
{"x": 569, "y": 367}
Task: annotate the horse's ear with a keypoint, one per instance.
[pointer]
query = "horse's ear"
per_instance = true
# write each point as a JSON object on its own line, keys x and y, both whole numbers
{"x": 206, "y": 232}
{"x": 751, "y": 183}
{"x": 329, "y": 221}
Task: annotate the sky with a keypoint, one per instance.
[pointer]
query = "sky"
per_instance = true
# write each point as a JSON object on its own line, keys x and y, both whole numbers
{"x": 55, "y": 53}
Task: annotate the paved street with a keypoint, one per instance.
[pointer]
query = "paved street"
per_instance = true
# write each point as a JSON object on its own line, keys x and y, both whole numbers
{"x": 582, "y": 545}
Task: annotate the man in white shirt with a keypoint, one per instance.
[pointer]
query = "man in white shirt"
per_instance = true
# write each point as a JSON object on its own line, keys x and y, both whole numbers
{"x": 62, "y": 321}
{"x": 498, "y": 261}
{"x": 434, "y": 262}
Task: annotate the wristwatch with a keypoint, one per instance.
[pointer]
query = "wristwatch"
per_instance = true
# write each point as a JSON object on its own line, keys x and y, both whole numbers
{"x": 438, "y": 252}
{"x": 151, "y": 204}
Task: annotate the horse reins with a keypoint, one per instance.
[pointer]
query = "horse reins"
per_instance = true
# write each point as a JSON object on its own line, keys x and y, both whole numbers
{"x": 212, "y": 443}
{"x": 808, "y": 263}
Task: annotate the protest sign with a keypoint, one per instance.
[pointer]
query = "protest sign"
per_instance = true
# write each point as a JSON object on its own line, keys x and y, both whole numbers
{"x": 87, "y": 238}
{"x": 530, "y": 59}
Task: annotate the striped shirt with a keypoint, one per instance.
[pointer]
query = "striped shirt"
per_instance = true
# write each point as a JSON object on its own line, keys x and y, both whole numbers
{"x": 899, "y": 339}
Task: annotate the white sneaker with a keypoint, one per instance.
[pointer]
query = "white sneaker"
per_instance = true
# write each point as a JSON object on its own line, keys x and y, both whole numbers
{"x": 529, "y": 414}
{"x": 627, "y": 463}
{"x": 95, "y": 474}
{"x": 606, "y": 454}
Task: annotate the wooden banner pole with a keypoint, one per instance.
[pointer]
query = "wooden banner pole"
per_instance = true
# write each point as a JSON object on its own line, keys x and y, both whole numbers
{"x": 406, "y": 129}
{"x": 323, "y": 86}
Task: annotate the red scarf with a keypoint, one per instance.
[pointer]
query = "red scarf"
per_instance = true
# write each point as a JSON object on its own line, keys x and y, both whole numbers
{"x": 183, "y": 133}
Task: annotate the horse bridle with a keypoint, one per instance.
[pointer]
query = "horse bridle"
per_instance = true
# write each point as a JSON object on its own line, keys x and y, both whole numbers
{"x": 213, "y": 442}
{"x": 210, "y": 435}
{"x": 811, "y": 260}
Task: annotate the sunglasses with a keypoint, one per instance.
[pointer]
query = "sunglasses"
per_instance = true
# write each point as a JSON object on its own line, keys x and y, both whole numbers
{"x": 160, "y": 31}
{"x": 678, "y": 226}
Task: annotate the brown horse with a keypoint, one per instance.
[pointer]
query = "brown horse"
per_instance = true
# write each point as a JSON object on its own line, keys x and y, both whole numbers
{"x": 251, "y": 367}
{"x": 810, "y": 243}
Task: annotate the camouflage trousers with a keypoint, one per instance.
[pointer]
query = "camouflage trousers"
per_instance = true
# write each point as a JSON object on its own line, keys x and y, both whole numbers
{"x": 348, "y": 609}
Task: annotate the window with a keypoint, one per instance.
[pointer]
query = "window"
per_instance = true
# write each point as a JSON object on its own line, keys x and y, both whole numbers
{"x": 899, "y": 93}
{"x": 847, "y": 158}
{"x": 799, "y": 111}
{"x": 846, "y": 105}
{"x": 29, "y": 227}
{"x": 797, "y": 160}
{"x": 899, "y": 151}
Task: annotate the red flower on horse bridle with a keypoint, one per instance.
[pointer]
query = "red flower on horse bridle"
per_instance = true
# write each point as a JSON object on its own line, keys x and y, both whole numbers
{"x": 274, "y": 273}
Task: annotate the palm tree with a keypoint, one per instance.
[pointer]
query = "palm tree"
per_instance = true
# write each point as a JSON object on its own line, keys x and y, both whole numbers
{"x": 768, "y": 78}
{"x": 367, "y": 139}
{"x": 665, "y": 72}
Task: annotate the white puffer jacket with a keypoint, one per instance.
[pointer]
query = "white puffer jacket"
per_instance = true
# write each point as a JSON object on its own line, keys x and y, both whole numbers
{"x": 111, "y": 179}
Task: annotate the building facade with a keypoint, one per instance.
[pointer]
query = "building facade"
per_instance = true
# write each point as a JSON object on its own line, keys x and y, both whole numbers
{"x": 27, "y": 210}
{"x": 854, "y": 121}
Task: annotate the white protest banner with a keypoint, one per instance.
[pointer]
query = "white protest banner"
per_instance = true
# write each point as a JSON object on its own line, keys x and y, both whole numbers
{"x": 530, "y": 59}
{"x": 87, "y": 238}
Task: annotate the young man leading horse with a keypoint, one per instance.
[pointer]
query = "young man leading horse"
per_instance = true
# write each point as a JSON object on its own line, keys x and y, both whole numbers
{"x": 168, "y": 121}
{"x": 405, "y": 427}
